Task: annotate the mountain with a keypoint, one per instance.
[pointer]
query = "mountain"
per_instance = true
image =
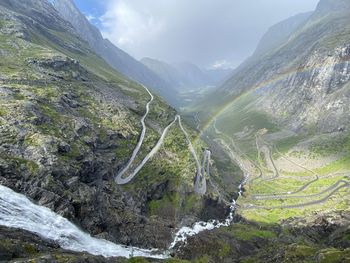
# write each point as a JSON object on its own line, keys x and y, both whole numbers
{"x": 284, "y": 117}
{"x": 187, "y": 81}
{"x": 186, "y": 76}
{"x": 117, "y": 58}
{"x": 93, "y": 164}
{"x": 69, "y": 126}
{"x": 299, "y": 81}
{"x": 279, "y": 33}
{"x": 165, "y": 71}
{"x": 219, "y": 75}
{"x": 327, "y": 6}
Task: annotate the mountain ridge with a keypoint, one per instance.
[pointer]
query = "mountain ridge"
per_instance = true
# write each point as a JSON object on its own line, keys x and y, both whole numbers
{"x": 69, "y": 123}
{"x": 277, "y": 141}
{"x": 265, "y": 69}
{"x": 279, "y": 32}
{"x": 117, "y": 58}
{"x": 186, "y": 79}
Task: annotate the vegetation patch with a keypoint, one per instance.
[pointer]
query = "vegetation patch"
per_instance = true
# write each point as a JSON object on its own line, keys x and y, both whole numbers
{"x": 247, "y": 232}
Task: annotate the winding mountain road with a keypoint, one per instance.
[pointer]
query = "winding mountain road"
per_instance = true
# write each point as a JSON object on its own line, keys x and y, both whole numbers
{"x": 330, "y": 188}
{"x": 301, "y": 205}
{"x": 200, "y": 184}
{"x": 236, "y": 154}
{"x": 337, "y": 186}
{"x": 119, "y": 179}
{"x": 286, "y": 194}
{"x": 264, "y": 148}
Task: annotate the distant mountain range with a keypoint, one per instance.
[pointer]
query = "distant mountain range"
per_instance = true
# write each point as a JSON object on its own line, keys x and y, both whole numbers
{"x": 117, "y": 58}
{"x": 186, "y": 76}
{"x": 167, "y": 80}
{"x": 274, "y": 145}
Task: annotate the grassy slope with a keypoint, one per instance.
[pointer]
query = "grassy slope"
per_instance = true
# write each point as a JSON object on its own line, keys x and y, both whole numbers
{"x": 242, "y": 119}
{"x": 172, "y": 166}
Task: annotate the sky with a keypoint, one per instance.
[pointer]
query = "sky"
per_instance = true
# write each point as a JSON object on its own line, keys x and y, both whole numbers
{"x": 209, "y": 33}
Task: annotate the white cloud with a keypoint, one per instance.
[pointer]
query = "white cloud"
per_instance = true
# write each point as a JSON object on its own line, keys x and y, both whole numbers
{"x": 199, "y": 31}
{"x": 91, "y": 18}
{"x": 221, "y": 64}
{"x": 127, "y": 26}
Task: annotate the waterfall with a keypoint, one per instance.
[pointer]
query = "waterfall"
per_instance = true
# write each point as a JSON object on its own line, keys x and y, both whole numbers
{"x": 17, "y": 211}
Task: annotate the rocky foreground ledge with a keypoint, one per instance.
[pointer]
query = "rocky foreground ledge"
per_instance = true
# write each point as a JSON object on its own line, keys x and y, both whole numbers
{"x": 320, "y": 238}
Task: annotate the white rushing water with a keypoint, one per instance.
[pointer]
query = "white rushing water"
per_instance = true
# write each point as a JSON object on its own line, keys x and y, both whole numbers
{"x": 185, "y": 232}
{"x": 17, "y": 211}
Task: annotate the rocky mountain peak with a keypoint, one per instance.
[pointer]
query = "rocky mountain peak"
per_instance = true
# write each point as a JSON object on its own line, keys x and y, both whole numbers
{"x": 71, "y": 13}
{"x": 67, "y": 8}
{"x": 38, "y": 5}
{"x": 328, "y": 6}
{"x": 280, "y": 32}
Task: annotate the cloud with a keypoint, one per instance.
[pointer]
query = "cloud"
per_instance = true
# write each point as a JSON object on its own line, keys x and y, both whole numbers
{"x": 199, "y": 31}
{"x": 91, "y": 18}
{"x": 127, "y": 26}
{"x": 221, "y": 64}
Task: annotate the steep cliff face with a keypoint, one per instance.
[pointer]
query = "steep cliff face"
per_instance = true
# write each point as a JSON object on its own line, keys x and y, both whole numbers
{"x": 311, "y": 90}
{"x": 86, "y": 31}
{"x": 302, "y": 82}
{"x": 69, "y": 124}
{"x": 285, "y": 113}
{"x": 117, "y": 58}
{"x": 315, "y": 95}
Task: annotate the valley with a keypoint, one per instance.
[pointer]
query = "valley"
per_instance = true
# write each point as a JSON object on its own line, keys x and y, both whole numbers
{"x": 106, "y": 158}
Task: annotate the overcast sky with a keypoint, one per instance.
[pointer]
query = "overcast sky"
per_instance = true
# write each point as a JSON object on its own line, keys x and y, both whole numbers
{"x": 205, "y": 32}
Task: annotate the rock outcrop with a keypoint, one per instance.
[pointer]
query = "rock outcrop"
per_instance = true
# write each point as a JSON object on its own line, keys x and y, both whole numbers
{"x": 69, "y": 123}
{"x": 303, "y": 80}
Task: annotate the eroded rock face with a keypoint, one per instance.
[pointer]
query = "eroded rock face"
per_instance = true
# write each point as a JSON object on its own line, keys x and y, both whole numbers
{"x": 69, "y": 168}
{"x": 303, "y": 81}
{"x": 69, "y": 123}
{"x": 315, "y": 94}
{"x": 311, "y": 239}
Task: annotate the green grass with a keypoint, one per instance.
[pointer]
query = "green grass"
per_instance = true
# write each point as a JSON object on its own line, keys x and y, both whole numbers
{"x": 282, "y": 185}
{"x": 341, "y": 165}
{"x": 22, "y": 163}
{"x": 332, "y": 255}
{"x": 325, "y": 145}
{"x": 277, "y": 215}
{"x": 241, "y": 114}
{"x": 138, "y": 260}
{"x": 286, "y": 144}
{"x": 164, "y": 207}
{"x": 174, "y": 260}
{"x": 297, "y": 251}
{"x": 75, "y": 151}
{"x": 248, "y": 232}
{"x": 3, "y": 112}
